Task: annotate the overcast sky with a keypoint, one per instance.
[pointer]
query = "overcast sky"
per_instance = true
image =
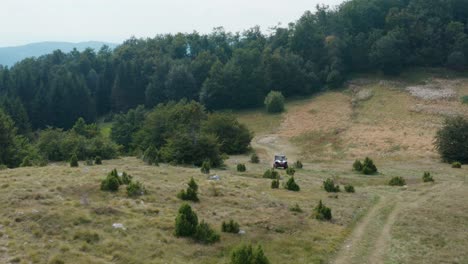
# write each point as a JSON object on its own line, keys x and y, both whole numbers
{"x": 26, "y": 21}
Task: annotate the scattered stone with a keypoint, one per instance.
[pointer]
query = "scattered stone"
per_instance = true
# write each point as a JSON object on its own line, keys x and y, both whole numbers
{"x": 215, "y": 178}
{"x": 241, "y": 232}
{"x": 118, "y": 226}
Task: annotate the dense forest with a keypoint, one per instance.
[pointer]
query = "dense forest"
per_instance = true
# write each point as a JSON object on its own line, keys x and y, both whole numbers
{"x": 224, "y": 70}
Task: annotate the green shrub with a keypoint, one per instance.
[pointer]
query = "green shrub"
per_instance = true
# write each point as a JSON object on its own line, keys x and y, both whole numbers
{"x": 205, "y": 168}
{"x": 271, "y": 174}
{"x": 329, "y": 186}
{"x": 89, "y": 162}
{"x": 427, "y": 177}
{"x": 191, "y": 194}
{"x": 3, "y": 167}
{"x": 111, "y": 183}
{"x": 298, "y": 164}
{"x": 205, "y": 234}
{"x": 98, "y": 160}
{"x": 368, "y": 167}
{"x": 275, "y": 184}
{"x": 241, "y": 167}
{"x": 357, "y": 165}
{"x": 290, "y": 171}
{"x": 349, "y": 188}
{"x": 26, "y": 162}
{"x": 230, "y": 227}
{"x": 464, "y": 99}
{"x": 295, "y": 208}
{"x": 245, "y": 254}
{"x": 451, "y": 140}
{"x": 397, "y": 181}
{"x": 125, "y": 178}
{"x": 321, "y": 212}
{"x": 456, "y": 165}
{"x": 151, "y": 156}
{"x": 254, "y": 158}
{"x": 135, "y": 189}
{"x": 186, "y": 222}
{"x": 292, "y": 185}
{"x": 74, "y": 161}
{"x": 274, "y": 102}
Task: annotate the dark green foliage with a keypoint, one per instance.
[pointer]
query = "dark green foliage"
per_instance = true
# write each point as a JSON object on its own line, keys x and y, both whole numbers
{"x": 230, "y": 227}
{"x": 456, "y": 61}
{"x": 349, "y": 188}
{"x": 151, "y": 156}
{"x": 357, "y": 165}
{"x": 205, "y": 234}
{"x": 451, "y": 140}
{"x": 292, "y": 185}
{"x": 271, "y": 174}
{"x": 11, "y": 146}
{"x": 427, "y": 177}
{"x": 74, "y": 161}
{"x": 274, "y": 102}
{"x": 135, "y": 189}
{"x": 296, "y": 208}
{"x": 456, "y": 165}
{"x": 86, "y": 130}
{"x": 254, "y": 158}
{"x": 275, "y": 184}
{"x": 298, "y": 164}
{"x": 321, "y": 212}
{"x": 397, "y": 181}
{"x": 111, "y": 183}
{"x": 186, "y": 222}
{"x": 290, "y": 171}
{"x": 245, "y": 254}
{"x": 329, "y": 186}
{"x": 125, "y": 126}
{"x": 98, "y": 160}
{"x": 464, "y": 99}
{"x": 191, "y": 194}
{"x": 241, "y": 168}
{"x": 26, "y": 162}
{"x": 89, "y": 162}
{"x": 367, "y": 167}
{"x": 205, "y": 168}
{"x": 125, "y": 179}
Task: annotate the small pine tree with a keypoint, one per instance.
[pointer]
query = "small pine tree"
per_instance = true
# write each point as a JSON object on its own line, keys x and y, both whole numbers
{"x": 427, "y": 177}
{"x": 135, "y": 189}
{"x": 321, "y": 212}
{"x": 191, "y": 194}
{"x": 245, "y": 254}
{"x": 205, "y": 234}
{"x": 230, "y": 227}
{"x": 290, "y": 171}
{"x": 271, "y": 174}
{"x": 357, "y": 165}
{"x": 254, "y": 158}
{"x": 397, "y": 181}
{"x": 110, "y": 183}
{"x": 125, "y": 178}
{"x": 275, "y": 184}
{"x": 74, "y": 161}
{"x": 241, "y": 168}
{"x": 186, "y": 222}
{"x": 349, "y": 188}
{"x": 298, "y": 164}
{"x": 292, "y": 185}
{"x": 329, "y": 186}
{"x": 205, "y": 168}
{"x": 368, "y": 166}
{"x": 98, "y": 160}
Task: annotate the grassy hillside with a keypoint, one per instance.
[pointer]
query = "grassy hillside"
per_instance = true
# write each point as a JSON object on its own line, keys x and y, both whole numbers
{"x": 57, "y": 213}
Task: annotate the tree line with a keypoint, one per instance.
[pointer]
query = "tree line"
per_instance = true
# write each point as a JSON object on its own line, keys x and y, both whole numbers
{"x": 236, "y": 70}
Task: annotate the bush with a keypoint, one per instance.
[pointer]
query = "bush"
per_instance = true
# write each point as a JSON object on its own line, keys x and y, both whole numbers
{"x": 244, "y": 254}
{"x": 111, "y": 183}
{"x": 427, "y": 177}
{"x": 135, "y": 189}
{"x": 464, "y": 99}
{"x": 74, "y": 161}
{"x": 274, "y": 102}
{"x": 368, "y": 167}
{"x": 349, "y": 188}
{"x": 205, "y": 234}
{"x": 230, "y": 227}
{"x": 357, "y": 165}
{"x": 151, "y": 156}
{"x": 397, "y": 181}
{"x": 295, "y": 208}
{"x": 321, "y": 212}
{"x": 125, "y": 178}
{"x": 451, "y": 140}
{"x": 186, "y": 222}
{"x": 329, "y": 186}
{"x": 456, "y": 165}
{"x": 26, "y": 162}
{"x": 98, "y": 160}
{"x": 271, "y": 174}
{"x": 290, "y": 171}
{"x": 241, "y": 167}
{"x": 275, "y": 184}
{"x": 89, "y": 162}
{"x": 254, "y": 158}
{"x": 205, "y": 168}
{"x": 191, "y": 193}
{"x": 292, "y": 185}
{"x": 298, "y": 164}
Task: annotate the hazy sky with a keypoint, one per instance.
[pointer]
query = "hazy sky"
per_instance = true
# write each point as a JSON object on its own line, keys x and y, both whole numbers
{"x": 25, "y": 21}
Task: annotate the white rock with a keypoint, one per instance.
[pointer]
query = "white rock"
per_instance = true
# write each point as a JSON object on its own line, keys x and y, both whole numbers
{"x": 118, "y": 226}
{"x": 241, "y": 232}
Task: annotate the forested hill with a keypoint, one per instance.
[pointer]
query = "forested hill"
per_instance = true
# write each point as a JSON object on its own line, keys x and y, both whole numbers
{"x": 10, "y": 55}
{"x": 236, "y": 70}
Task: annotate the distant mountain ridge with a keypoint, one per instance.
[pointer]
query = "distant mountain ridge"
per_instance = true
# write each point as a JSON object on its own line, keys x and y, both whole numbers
{"x": 11, "y": 55}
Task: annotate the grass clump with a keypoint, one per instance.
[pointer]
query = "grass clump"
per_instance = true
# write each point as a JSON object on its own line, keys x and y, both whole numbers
{"x": 290, "y": 171}
{"x": 322, "y": 213}
{"x": 230, "y": 227}
{"x": 427, "y": 177}
{"x": 296, "y": 208}
{"x": 191, "y": 194}
{"x": 397, "y": 181}
{"x": 241, "y": 168}
{"x": 275, "y": 184}
{"x": 74, "y": 161}
{"x": 87, "y": 236}
{"x": 329, "y": 186}
{"x": 291, "y": 185}
{"x": 245, "y": 254}
{"x": 135, "y": 189}
{"x": 271, "y": 174}
{"x": 349, "y": 188}
{"x": 367, "y": 167}
{"x": 254, "y": 158}
{"x": 205, "y": 168}
{"x": 456, "y": 165}
{"x": 298, "y": 165}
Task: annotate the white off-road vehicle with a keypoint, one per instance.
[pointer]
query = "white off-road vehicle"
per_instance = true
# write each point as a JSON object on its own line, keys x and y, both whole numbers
{"x": 280, "y": 162}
